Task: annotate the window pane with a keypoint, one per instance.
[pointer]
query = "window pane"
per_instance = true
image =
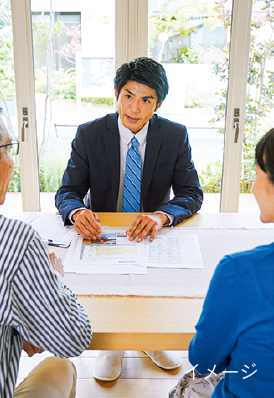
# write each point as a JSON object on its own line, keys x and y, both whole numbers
{"x": 8, "y": 110}
{"x": 74, "y": 47}
{"x": 260, "y": 88}
{"x": 191, "y": 40}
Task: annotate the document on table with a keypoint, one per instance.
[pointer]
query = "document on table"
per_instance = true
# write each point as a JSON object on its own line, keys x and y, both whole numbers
{"x": 51, "y": 228}
{"x": 173, "y": 251}
{"x": 115, "y": 254}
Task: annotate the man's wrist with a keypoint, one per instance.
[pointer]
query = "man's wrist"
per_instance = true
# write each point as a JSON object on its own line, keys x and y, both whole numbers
{"x": 71, "y": 214}
{"x": 170, "y": 217}
{"x": 163, "y": 217}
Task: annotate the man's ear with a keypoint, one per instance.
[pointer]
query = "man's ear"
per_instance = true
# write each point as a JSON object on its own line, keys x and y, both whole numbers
{"x": 158, "y": 106}
{"x": 116, "y": 93}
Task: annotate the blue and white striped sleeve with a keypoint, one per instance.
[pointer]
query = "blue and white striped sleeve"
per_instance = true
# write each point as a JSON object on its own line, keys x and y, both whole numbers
{"x": 45, "y": 311}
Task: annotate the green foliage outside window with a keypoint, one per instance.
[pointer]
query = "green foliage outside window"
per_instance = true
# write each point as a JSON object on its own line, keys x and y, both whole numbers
{"x": 187, "y": 55}
{"x": 63, "y": 83}
{"x": 259, "y": 100}
{"x": 7, "y": 83}
{"x": 211, "y": 177}
{"x": 260, "y": 90}
{"x": 52, "y": 164}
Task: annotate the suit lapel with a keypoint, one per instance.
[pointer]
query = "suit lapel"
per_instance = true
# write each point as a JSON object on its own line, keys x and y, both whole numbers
{"x": 112, "y": 143}
{"x": 153, "y": 146}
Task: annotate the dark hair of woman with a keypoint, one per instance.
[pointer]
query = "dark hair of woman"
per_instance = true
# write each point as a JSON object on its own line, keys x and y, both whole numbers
{"x": 265, "y": 154}
{"x": 145, "y": 71}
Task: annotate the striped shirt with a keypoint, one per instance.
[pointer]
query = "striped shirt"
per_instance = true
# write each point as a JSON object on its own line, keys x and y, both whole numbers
{"x": 35, "y": 304}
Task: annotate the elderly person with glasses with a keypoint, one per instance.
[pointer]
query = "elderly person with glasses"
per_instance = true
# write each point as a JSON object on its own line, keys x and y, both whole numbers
{"x": 235, "y": 333}
{"x": 37, "y": 311}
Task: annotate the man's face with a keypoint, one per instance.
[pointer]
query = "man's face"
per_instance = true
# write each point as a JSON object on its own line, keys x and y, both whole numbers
{"x": 136, "y": 105}
{"x": 6, "y": 167}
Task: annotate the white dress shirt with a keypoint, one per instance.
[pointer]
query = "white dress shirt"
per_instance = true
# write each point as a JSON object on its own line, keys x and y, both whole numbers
{"x": 125, "y": 143}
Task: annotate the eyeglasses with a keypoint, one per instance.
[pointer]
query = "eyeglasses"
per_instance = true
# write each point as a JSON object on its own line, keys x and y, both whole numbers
{"x": 12, "y": 147}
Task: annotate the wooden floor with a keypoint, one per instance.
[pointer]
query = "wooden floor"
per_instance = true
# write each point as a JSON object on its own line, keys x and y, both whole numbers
{"x": 140, "y": 378}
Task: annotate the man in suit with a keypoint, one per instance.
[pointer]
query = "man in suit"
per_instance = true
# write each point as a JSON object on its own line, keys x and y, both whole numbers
{"x": 129, "y": 161}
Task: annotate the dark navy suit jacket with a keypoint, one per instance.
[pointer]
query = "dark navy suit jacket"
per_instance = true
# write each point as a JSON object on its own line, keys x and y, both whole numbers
{"x": 95, "y": 164}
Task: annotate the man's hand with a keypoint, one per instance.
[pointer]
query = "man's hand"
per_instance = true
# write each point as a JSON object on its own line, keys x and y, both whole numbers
{"x": 57, "y": 263}
{"x": 87, "y": 224}
{"x": 144, "y": 224}
{"x": 31, "y": 349}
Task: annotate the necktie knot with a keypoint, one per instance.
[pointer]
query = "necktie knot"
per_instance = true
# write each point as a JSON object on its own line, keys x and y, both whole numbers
{"x": 134, "y": 142}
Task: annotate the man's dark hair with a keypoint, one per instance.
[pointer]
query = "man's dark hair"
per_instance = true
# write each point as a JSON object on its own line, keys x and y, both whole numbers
{"x": 145, "y": 71}
{"x": 265, "y": 154}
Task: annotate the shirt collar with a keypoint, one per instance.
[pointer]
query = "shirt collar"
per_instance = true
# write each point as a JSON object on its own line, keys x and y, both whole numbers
{"x": 126, "y": 135}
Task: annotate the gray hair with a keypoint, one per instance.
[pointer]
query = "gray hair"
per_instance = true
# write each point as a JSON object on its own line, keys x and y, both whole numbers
{"x": 3, "y": 130}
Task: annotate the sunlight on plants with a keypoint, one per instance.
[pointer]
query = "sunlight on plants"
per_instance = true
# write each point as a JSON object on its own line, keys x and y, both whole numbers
{"x": 59, "y": 83}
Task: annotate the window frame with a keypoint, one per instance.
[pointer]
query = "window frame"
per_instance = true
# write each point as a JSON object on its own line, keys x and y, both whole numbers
{"x": 131, "y": 41}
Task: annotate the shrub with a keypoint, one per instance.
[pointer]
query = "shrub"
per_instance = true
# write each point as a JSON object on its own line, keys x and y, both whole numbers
{"x": 15, "y": 183}
{"x": 53, "y": 162}
{"x": 109, "y": 101}
{"x": 63, "y": 83}
{"x": 187, "y": 55}
{"x": 211, "y": 177}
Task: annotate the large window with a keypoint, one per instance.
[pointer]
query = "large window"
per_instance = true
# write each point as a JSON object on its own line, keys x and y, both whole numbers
{"x": 74, "y": 58}
{"x": 259, "y": 117}
{"x": 191, "y": 40}
{"x": 8, "y": 110}
{"x": 74, "y": 53}
{"x": 67, "y": 38}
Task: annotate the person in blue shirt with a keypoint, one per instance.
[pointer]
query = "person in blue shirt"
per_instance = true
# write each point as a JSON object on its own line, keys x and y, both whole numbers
{"x": 235, "y": 332}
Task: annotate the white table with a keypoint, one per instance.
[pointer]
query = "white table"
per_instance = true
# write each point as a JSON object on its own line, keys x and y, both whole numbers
{"x": 130, "y": 317}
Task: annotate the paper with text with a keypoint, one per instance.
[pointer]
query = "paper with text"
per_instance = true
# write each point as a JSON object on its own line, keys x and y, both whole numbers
{"x": 173, "y": 251}
{"x": 115, "y": 254}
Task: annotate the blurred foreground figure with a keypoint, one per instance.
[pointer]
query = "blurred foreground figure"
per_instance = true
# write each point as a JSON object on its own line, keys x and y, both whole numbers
{"x": 37, "y": 311}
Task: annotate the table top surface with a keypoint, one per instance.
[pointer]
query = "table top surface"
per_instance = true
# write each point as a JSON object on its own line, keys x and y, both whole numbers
{"x": 219, "y": 234}
{"x": 142, "y": 322}
{"x": 199, "y": 220}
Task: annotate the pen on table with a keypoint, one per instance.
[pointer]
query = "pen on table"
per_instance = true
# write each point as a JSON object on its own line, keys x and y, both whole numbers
{"x": 50, "y": 242}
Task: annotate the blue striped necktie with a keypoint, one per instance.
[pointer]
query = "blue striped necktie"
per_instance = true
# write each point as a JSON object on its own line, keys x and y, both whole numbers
{"x": 132, "y": 182}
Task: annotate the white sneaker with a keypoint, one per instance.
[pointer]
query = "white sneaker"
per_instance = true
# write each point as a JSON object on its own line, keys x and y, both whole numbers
{"x": 165, "y": 359}
{"x": 108, "y": 365}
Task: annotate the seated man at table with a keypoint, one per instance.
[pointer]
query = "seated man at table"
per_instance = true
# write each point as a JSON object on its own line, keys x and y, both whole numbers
{"x": 129, "y": 161}
{"x": 37, "y": 311}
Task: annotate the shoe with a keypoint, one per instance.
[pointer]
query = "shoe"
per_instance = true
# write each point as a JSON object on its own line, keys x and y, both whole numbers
{"x": 108, "y": 365}
{"x": 165, "y": 359}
